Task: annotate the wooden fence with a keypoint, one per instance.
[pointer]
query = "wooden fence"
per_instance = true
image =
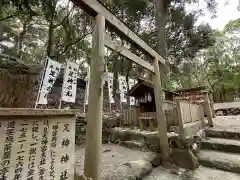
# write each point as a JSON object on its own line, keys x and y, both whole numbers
{"x": 131, "y": 116}
{"x": 190, "y": 112}
{"x": 190, "y": 118}
{"x": 187, "y": 116}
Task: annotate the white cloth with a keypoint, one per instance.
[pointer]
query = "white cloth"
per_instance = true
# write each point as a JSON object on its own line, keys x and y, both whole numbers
{"x": 51, "y": 73}
{"x": 110, "y": 87}
{"x": 131, "y": 83}
{"x": 69, "y": 86}
{"x": 122, "y": 88}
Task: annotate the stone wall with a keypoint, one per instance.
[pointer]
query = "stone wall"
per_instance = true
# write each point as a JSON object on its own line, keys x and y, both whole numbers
{"x": 16, "y": 89}
{"x": 109, "y": 121}
{"x": 227, "y": 111}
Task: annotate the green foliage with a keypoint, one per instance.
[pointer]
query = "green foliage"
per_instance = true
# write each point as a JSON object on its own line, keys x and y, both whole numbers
{"x": 36, "y": 28}
{"x": 233, "y": 26}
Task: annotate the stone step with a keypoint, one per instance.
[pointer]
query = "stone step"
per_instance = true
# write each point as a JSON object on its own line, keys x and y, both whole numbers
{"x": 132, "y": 144}
{"x": 223, "y": 133}
{"x": 220, "y": 144}
{"x": 150, "y": 139}
{"x": 220, "y": 160}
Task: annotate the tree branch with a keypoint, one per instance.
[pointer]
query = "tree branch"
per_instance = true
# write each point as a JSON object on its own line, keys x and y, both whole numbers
{"x": 13, "y": 58}
{"x": 64, "y": 19}
{"x": 31, "y": 13}
{"x": 4, "y": 38}
{"x": 72, "y": 43}
{"x": 9, "y": 17}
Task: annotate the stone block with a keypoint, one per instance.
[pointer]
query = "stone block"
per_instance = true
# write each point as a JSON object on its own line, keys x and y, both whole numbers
{"x": 132, "y": 170}
{"x": 153, "y": 157}
{"x": 184, "y": 158}
{"x": 81, "y": 177}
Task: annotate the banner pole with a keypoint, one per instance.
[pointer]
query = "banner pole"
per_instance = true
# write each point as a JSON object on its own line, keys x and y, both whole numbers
{"x": 60, "y": 104}
{"x": 41, "y": 81}
{"x": 60, "y": 99}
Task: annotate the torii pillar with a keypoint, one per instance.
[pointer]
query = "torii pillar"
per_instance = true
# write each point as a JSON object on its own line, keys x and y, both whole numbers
{"x": 95, "y": 102}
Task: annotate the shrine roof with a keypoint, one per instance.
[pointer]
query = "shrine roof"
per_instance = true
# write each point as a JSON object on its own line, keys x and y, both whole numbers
{"x": 144, "y": 86}
{"x": 199, "y": 89}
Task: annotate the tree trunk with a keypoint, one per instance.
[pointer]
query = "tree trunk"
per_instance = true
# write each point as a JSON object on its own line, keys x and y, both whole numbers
{"x": 50, "y": 39}
{"x": 161, "y": 14}
{"x": 21, "y": 36}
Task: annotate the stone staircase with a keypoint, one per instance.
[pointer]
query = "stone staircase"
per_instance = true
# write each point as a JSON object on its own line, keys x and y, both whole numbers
{"x": 221, "y": 150}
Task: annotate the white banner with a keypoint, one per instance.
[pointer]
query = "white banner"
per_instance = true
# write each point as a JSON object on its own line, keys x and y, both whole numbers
{"x": 110, "y": 87}
{"x": 131, "y": 83}
{"x": 122, "y": 88}
{"x": 51, "y": 73}
{"x": 69, "y": 86}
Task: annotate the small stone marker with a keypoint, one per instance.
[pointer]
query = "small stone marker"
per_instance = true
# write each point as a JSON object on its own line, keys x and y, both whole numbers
{"x": 37, "y": 147}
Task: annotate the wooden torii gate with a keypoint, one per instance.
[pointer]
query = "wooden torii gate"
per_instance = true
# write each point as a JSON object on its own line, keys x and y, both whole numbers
{"x": 94, "y": 116}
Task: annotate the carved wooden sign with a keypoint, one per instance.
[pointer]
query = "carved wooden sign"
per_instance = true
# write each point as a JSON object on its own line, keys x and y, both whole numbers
{"x": 40, "y": 148}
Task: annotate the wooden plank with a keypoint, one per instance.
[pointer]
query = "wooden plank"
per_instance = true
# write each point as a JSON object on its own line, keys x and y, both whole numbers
{"x": 151, "y": 124}
{"x": 141, "y": 122}
{"x": 128, "y": 54}
{"x": 201, "y": 111}
{"x": 94, "y": 7}
{"x": 135, "y": 117}
{"x": 146, "y": 118}
{"x": 95, "y": 102}
{"x": 198, "y": 111}
{"x": 180, "y": 118}
{"x": 195, "y": 112}
{"x": 160, "y": 115}
{"x": 186, "y": 112}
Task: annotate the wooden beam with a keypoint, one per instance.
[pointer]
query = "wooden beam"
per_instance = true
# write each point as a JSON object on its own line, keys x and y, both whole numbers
{"x": 94, "y": 7}
{"x": 128, "y": 54}
{"x": 160, "y": 115}
{"x": 95, "y": 102}
{"x": 201, "y": 109}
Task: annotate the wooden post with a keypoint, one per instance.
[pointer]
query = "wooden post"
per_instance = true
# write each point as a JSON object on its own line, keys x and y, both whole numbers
{"x": 201, "y": 109}
{"x": 208, "y": 108}
{"x": 141, "y": 124}
{"x": 180, "y": 119}
{"x": 160, "y": 115}
{"x": 95, "y": 102}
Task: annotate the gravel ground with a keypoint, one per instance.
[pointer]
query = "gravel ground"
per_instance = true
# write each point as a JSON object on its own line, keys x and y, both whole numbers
{"x": 227, "y": 122}
{"x": 112, "y": 157}
{"x": 201, "y": 173}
